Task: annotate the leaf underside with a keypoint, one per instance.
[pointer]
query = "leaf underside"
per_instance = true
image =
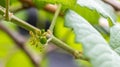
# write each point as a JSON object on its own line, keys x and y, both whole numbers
{"x": 102, "y": 8}
{"x": 115, "y": 37}
{"x": 94, "y": 45}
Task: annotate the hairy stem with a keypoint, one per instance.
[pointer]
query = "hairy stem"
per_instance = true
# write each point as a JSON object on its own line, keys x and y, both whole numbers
{"x": 7, "y": 10}
{"x": 55, "y": 17}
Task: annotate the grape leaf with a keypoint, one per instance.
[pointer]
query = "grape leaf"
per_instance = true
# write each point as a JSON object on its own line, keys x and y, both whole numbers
{"x": 91, "y": 15}
{"x": 102, "y": 8}
{"x": 115, "y": 37}
{"x": 94, "y": 45}
{"x": 81, "y": 5}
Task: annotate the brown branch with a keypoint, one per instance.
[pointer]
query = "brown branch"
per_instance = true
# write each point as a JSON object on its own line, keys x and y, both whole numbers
{"x": 114, "y": 3}
{"x": 52, "y": 8}
{"x": 19, "y": 40}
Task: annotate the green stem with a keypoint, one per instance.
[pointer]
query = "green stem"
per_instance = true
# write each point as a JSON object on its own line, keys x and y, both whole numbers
{"x": 20, "y": 22}
{"x": 67, "y": 48}
{"x": 7, "y": 10}
{"x": 56, "y": 41}
{"x": 24, "y": 24}
{"x": 55, "y": 17}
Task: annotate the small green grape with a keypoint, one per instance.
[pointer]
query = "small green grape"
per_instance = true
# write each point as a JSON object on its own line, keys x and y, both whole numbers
{"x": 43, "y": 40}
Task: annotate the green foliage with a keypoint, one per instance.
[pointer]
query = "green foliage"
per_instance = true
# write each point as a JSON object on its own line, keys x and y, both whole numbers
{"x": 82, "y": 6}
{"x": 2, "y": 2}
{"x": 19, "y": 59}
{"x": 10, "y": 55}
{"x": 6, "y": 44}
{"x": 65, "y": 3}
{"x": 22, "y": 14}
{"x": 39, "y": 4}
{"x": 79, "y": 33}
{"x": 94, "y": 45}
{"x": 65, "y": 34}
{"x": 91, "y": 15}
